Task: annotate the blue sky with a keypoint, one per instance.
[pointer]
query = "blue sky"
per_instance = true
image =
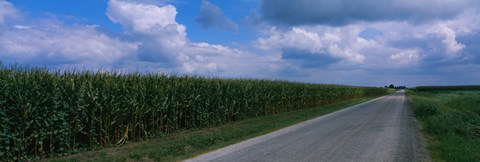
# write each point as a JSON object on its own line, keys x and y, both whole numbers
{"x": 372, "y": 42}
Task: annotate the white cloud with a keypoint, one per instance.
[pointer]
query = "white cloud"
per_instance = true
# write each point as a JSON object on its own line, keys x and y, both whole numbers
{"x": 141, "y": 18}
{"x": 57, "y": 43}
{"x": 6, "y": 10}
{"x": 466, "y": 23}
{"x": 205, "y": 58}
{"x": 149, "y": 19}
{"x": 164, "y": 41}
{"x": 406, "y": 57}
{"x": 437, "y": 40}
{"x": 401, "y": 46}
{"x": 448, "y": 37}
{"x": 154, "y": 25}
{"x": 336, "y": 42}
{"x": 51, "y": 42}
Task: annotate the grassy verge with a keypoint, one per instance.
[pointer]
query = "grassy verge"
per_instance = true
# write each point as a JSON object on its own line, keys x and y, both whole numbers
{"x": 451, "y": 122}
{"x": 175, "y": 147}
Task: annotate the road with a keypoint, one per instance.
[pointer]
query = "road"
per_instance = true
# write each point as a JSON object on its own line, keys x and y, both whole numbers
{"x": 382, "y": 129}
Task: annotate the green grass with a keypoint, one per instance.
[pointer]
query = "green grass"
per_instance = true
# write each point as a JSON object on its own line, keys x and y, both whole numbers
{"x": 180, "y": 146}
{"x": 451, "y": 121}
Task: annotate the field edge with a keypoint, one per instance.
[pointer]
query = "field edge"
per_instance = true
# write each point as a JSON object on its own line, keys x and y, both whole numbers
{"x": 188, "y": 144}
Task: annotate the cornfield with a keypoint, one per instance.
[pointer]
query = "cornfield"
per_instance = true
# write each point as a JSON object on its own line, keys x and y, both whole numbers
{"x": 51, "y": 113}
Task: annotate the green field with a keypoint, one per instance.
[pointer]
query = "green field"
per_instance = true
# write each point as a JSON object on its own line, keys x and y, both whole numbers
{"x": 451, "y": 120}
{"x": 50, "y": 113}
{"x": 443, "y": 88}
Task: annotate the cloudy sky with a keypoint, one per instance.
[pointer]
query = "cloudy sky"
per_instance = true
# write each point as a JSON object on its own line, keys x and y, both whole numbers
{"x": 368, "y": 42}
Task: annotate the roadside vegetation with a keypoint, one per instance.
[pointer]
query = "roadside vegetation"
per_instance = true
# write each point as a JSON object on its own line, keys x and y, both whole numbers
{"x": 444, "y": 88}
{"x": 51, "y": 113}
{"x": 450, "y": 117}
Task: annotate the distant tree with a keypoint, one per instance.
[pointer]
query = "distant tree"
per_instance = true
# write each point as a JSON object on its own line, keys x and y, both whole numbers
{"x": 391, "y": 86}
{"x": 386, "y": 86}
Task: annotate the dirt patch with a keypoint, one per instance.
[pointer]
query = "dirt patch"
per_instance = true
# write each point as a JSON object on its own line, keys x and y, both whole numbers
{"x": 187, "y": 148}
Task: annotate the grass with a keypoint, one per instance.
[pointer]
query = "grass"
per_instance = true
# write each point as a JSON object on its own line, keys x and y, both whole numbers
{"x": 180, "y": 146}
{"x": 451, "y": 121}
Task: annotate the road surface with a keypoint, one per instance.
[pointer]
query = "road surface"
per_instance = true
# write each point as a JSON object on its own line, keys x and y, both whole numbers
{"x": 379, "y": 130}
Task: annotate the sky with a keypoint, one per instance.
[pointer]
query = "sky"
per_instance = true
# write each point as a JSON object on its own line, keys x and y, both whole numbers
{"x": 364, "y": 43}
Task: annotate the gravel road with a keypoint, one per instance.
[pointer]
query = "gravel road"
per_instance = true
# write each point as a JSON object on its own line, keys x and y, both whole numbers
{"x": 379, "y": 130}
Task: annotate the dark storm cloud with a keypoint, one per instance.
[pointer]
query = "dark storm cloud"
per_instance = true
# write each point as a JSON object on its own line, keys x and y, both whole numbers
{"x": 342, "y": 12}
{"x": 212, "y": 16}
